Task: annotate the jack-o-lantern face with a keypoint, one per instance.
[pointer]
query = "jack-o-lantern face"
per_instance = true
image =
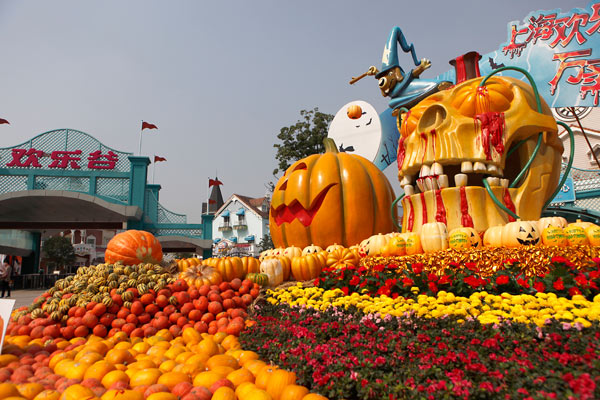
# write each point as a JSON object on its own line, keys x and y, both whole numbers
{"x": 455, "y": 138}
{"x": 520, "y": 233}
{"x": 330, "y": 198}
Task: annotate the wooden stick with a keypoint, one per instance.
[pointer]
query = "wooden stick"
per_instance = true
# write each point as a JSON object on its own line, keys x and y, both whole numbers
{"x": 357, "y": 78}
{"x": 572, "y": 109}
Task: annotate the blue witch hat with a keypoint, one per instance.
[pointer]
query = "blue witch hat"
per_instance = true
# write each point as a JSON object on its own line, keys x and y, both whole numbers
{"x": 390, "y": 52}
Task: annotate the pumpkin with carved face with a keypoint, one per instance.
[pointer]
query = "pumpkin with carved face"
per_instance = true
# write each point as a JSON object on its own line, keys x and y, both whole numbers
{"x": 453, "y": 139}
{"x": 330, "y": 198}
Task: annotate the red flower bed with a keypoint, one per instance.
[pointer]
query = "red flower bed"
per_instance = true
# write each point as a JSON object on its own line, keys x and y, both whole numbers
{"x": 463, "y": 280}
{"x": 349, "y": 355}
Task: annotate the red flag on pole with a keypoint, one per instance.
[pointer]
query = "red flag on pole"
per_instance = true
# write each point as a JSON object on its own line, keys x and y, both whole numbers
{"x": 3, "y": 121}
{"x": 158, "y": 159}
{"x": 214, "y": 182}
{"x": 148, "y": 125}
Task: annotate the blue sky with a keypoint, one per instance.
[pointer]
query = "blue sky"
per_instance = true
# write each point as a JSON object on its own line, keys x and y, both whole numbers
{"x": 219, "y": 79}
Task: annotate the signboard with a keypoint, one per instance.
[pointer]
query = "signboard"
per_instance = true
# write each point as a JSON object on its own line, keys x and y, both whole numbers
{"x": 6, "y": 307}
{"x": 567, "y": 192}
{"x": 561, "y": 50}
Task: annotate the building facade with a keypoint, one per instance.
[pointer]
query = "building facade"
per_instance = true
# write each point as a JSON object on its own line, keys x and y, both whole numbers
{"x": 239, "y": 225}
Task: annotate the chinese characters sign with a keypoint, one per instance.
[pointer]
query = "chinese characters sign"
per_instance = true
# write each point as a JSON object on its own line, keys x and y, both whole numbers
{"x": 560, "y": 49}
{"x": 31, "y": 158}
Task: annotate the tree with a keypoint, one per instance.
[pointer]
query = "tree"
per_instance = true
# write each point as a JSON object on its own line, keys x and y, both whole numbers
{"x": 59, "y": 252}
{"x": 301, "y": 139}
{"x": 265, "y": 243}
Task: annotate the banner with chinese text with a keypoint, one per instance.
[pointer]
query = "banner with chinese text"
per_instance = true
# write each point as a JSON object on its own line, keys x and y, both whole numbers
{"x": 560, "y": 49}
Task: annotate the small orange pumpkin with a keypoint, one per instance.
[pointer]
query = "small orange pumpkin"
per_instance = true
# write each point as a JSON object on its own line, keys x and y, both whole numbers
{"x": 231, "y": 268}
{"x": 251, "y": 265}
{"x": 307, "y": 267}
{"x": 354, "y": 111}
{"x": 133, "y": 247}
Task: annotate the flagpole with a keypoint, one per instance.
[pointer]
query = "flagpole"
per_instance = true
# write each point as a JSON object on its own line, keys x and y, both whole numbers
{"x": 141, "y": 130}
{"x": 208, "y": 197}
{"x": 153, "y": 168}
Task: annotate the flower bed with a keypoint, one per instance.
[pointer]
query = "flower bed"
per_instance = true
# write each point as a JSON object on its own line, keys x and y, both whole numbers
{"x": 562, "y": 277}
{"x": 485, "y": 307}
{"x": 346, "y": 354}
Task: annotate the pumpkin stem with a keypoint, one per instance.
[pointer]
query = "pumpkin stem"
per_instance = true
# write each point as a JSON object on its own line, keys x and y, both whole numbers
{"x": 330, "y": 146}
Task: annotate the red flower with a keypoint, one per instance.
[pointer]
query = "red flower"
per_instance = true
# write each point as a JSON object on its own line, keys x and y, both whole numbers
{"x": 559, "y": 285}
{"x": 355, "y": 280}
{"x": 432, "y": 277}
{"x": 581, "y": 280}
{"x": 407, "y": 282}
{"x": 573, "y": 291}
{"x": 502, "y": 280}
{"x": 445, "y": 279}
{"x": 471, "y": 266}
{"x": 539, "y": 286}
{"x": 523, "y": 283}
{"x": 417, "y": 268}
{"x": 433, "y": 287}
{"x": 345, "y": 290}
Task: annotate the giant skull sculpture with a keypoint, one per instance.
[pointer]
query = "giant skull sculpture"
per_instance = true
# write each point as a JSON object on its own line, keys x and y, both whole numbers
{"x": 453, "y": 139}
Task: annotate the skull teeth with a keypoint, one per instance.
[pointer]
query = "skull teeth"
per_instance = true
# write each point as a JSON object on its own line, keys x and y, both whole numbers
{"x": 466, "y": 167}
{"x": 421, "y": 185}
{"x": 409, "y": 190}
{"x": 461, "y": 180}
{"x": 479, "y": 167}
{"x": 437, "y": 169}
{"x": 494, "y": 170}
{"x": 443, "y": 181}
{"x": 406, "y": 180}
{"x": 504, "y": 183}
{"x": 493, "y": 181}
{"x": 425, "y": 171}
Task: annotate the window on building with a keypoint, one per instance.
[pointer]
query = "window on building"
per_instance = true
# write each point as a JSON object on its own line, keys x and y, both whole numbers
{"x": 91, "y": 240}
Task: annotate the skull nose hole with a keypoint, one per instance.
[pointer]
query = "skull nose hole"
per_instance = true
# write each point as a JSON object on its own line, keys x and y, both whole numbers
{"x": 432, "y": 118}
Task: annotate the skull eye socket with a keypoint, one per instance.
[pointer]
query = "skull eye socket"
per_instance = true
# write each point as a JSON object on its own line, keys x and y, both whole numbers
{"x": 382, "y": 82}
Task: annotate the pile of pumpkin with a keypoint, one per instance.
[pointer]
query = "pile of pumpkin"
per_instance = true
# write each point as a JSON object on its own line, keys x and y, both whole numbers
{"x": 434, "y": 236}
{"x": 274, "y": 266}
{"x": 208, "y": 308}
{"x": 193, "y": 366}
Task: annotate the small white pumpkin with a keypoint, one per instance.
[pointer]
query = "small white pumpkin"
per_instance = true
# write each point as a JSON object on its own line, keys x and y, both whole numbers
{"x": 273, "y": 269}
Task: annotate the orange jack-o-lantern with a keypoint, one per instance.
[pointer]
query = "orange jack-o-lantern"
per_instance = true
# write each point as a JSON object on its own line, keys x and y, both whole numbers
{"x": 354, "y": 111}
{"x": 330, "y": 198}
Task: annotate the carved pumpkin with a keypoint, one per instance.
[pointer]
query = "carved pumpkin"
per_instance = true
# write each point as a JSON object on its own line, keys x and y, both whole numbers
{"x": 334, "y": 247}
{"x": 520, "y": 233}
{"x": 395, "y": 247}
{"x": 593, "y": 235}
{"x": 272, "y": 268}
{"x": 265, "y": 254}
{"x": 434, "y": 237}
{"x": 554, "y": 236}
{"x": 330, "y": 198}
{"x": 576, "y": 235}
{"x": 292, "y": 252}
{"x": 133, "y": 247}
{"x": 312, "y": 249}
{"x": 478, "y": 125}
{"x": 545, "y": 222}
{"x": 307, "y": 267}
{"x": 373, "y": 245}
{"x": 354, "y": 111}
{"x": 457, "y": 235}
{"x": 493, "y": 236}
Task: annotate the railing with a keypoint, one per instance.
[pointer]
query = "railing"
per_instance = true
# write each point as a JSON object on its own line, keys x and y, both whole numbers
{"x": 179, "y": 232}
{"x": 169, "y": 217}
{"x": 240, "y": 226}
{"x": 224, "y": 227}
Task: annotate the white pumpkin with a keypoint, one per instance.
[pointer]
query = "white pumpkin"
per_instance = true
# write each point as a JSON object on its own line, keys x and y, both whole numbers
{"x": 434, "y": 237}
{"x": 273, "y": 269}
{"x": 545, "y": 222}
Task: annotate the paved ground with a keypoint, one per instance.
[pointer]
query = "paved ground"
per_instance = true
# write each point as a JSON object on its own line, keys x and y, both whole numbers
{"x": 24, "y": 297}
